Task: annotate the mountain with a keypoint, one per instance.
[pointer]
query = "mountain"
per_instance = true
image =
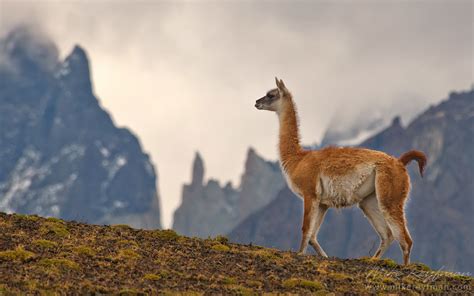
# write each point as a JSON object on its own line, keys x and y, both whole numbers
{"x": 439, "y": 210}
{"x": 359, "y": 129}
{"x": 207, "y": 209}
{"x": 60, "y": 152}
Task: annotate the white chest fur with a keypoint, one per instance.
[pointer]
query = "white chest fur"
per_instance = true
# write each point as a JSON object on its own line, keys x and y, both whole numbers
{"x": 347, "y": 190}
{"x": 290, "y": 184}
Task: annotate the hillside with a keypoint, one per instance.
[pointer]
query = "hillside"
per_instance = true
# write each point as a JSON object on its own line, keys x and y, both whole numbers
{"x": 47, "y": 254}
{"x": 61, "y": 154}
{"x": 439, "y": 210}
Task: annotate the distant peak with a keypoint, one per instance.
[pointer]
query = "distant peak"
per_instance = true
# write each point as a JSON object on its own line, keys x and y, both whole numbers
{"x": 198, "y": 170}
{"x": 251, "y": 153}
{"x": 251, "y": 150}
{"x": 396, "y": 121}
{"x": 78, "y": 57}
{"x": 79, "y": 53}
{"x": 253, "y": 160}
{"x": 75, "y": 69}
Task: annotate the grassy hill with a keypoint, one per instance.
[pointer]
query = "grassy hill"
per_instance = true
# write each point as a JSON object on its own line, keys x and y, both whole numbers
{"x": 50, "y": 255}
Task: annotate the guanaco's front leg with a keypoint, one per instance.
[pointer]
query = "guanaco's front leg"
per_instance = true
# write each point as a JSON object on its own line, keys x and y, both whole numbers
{"x": 313, "y": 241}
{"x": 311, "y": 204}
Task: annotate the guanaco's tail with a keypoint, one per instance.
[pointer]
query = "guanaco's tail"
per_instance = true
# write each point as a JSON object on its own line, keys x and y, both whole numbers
{"x": 419, "y": 156}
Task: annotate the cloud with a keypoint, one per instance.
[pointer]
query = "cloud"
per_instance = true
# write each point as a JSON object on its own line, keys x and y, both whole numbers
{"x": 184, "y": 76}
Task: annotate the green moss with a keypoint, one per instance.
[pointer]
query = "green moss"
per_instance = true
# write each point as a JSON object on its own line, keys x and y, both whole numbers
{"x": 388, "y": 281}
{"x": 221, "y": 239}
{"x": 420, "y": 266}
{"x": 129, "y": 292}
{"x": 84, "y": 250}
{"x": 55, "y": 220}
{"x": 19, "y": 254}
{"x": 164, "y": 274}
{"x": 322, "y": 293}
{"x": 459, "y": 276}
{"x": 240, "y": 290}
{"x": 379, "y": 277}
{"x": 220, "y": 248}
{"x": 389, "y": 263}
{"x": 61, "y": 263}
{"x": 302, "y": 283}
{"x": 127, "y": 243}
{"x": 152, "y": 277}
{"x": 44, "y": 244}
{"x": 255, "y": 284}
{"x": 410, "y": 279}
{"x": 57, "y": 229}
{"x": 26, "y": 217}
{"x": 229, "y": 280}
{"x": 128, "y": 254}
{"x": 367, "y": 259}
{"x": 121, "y": 226}
{"x": 265, "y": 254}
{"x": 167, "y": 234}
{"x": 30, "y": 284}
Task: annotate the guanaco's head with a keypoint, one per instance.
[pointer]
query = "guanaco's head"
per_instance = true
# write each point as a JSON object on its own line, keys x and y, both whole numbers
{"x": 274, "y": 98}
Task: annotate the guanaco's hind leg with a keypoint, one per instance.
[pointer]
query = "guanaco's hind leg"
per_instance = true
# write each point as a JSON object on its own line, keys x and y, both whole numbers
{"x": 371, "y": 209}
{"x": 392, "y": 191}
{"x": 397, "y": 222}
{"x": 319, "y": 217}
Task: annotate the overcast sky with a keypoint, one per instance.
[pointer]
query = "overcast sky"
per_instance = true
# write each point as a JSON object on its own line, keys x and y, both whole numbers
{"x": 184, "y": 76}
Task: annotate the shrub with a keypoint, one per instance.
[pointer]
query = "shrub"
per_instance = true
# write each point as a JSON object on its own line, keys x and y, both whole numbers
{"x": 151, "y": 277}
{"x": 84, "y": 250}
{"x": 58, "y": 229}
{"x": 128, "y": 254}
{"x": 58, "y": 263}
{"x": 220, "y": 247}
{"x": 44, "y": 243}
{"x": 167, "y": 234}
{"x": 19, "y": 254}
{"x": 222, "y": 239}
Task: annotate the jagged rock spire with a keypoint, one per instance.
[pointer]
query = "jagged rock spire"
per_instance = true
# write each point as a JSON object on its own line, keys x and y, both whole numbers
{"x": 198, "y": 171}
{"x": 75, "y": 69}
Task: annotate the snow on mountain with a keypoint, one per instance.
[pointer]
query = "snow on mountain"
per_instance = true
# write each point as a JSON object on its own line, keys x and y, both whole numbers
{"x": 60, "y": 152}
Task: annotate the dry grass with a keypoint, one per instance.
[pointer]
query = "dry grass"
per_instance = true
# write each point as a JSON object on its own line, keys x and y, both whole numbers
{"x": 51, "y": 256}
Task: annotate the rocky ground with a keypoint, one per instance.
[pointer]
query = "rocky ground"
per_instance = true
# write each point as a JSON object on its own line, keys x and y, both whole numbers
{"x": 44, "y": 255}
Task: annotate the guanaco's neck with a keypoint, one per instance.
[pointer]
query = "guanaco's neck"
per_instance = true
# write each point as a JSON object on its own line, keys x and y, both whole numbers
{"x": 289, "y": 139}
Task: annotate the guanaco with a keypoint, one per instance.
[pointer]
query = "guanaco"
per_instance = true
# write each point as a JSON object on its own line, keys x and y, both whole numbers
{"x": 342, "y": 177}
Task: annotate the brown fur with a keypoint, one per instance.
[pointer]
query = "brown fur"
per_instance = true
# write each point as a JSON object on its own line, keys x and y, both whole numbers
{"x": 419, "y": 156}
{"x": 306, "y": 169}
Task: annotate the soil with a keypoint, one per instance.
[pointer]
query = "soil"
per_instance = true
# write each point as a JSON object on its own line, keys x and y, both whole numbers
{"x": 51, "y": 256}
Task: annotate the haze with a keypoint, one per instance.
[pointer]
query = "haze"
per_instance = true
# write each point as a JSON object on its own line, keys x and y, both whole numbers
{"x": 184, "y": 76}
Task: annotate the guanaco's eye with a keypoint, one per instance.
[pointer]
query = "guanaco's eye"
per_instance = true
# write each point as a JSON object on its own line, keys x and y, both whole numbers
{"x": 270, "y": 95}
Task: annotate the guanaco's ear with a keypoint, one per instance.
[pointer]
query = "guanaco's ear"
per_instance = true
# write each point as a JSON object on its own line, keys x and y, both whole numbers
{"x": 281, "y": 86}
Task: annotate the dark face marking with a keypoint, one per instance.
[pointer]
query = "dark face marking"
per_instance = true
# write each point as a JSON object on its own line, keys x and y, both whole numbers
{"x": 269, "y": 101}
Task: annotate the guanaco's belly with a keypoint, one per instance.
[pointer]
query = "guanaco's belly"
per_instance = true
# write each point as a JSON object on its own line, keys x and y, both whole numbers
{"x": 346, "y": 190}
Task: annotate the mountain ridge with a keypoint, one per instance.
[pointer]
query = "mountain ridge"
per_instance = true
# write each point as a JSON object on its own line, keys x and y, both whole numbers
{"x": 62, "y": 154}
